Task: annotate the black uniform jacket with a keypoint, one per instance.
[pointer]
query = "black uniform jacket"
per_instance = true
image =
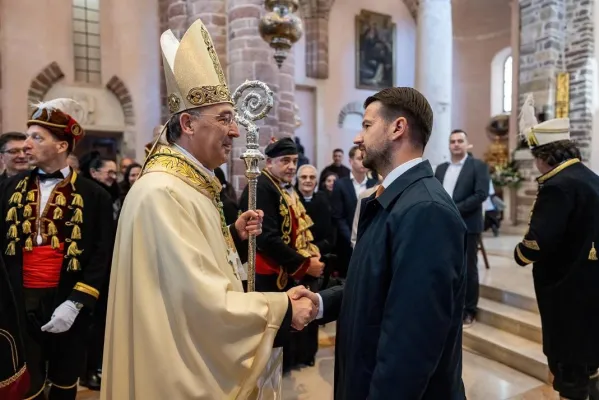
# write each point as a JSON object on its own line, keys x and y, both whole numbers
{"x": 85, "y": 226}
{"x": 561, "y": 244}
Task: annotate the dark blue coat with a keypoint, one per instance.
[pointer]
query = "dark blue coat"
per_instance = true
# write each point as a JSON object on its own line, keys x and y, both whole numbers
{"x": 399, "y": 329}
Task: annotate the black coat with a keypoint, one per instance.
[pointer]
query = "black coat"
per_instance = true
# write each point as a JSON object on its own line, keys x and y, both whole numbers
{"x": 471, "y": 191}
{"x": 323, "y": 230}
{"x": 399, "y": 329}
{"x": 563, "y": 231}
{"x": 97, "y": 236}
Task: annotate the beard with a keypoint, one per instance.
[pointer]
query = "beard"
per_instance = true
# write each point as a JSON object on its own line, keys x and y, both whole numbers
{"x": 377, "y": 159}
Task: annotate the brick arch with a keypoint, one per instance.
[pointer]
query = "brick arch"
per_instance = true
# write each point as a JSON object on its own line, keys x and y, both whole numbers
{"x": 355, "y": 107}
{"x": 119, "y": 89}
{"x": 43, "y": 82}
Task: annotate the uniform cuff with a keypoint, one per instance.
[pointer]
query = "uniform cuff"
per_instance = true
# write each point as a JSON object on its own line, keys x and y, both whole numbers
{"x": 84, "y": 294}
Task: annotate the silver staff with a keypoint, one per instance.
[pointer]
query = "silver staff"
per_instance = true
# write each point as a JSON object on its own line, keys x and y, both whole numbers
{"x": 254, "y": 106}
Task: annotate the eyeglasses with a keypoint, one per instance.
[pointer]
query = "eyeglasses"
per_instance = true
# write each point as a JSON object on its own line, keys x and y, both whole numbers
{"x": 13, "y": 152}
{"x": 226, "y": 119}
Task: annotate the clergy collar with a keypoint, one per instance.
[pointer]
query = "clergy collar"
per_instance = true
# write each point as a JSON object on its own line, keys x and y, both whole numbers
{"x": 193, "y": 160}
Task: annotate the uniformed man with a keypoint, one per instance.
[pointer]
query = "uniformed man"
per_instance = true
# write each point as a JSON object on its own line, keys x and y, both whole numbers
{"x": 560, "y": 243}
{"x": 55, "y": 238}
{"x": 285, "y": 252}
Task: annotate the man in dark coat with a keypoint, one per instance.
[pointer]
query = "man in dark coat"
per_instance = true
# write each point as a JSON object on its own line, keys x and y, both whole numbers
{"x": 56, "y": 232}
{"x": 12, "y": 154}
{"x": 560, "y": 243}
{"x": 467, "y": 179}
{"x": 399, "y": 315}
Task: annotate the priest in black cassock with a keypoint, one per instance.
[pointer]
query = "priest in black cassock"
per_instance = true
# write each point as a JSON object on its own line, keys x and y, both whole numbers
{"x": 285, "y": 250}
{"x": 56, "y": 231}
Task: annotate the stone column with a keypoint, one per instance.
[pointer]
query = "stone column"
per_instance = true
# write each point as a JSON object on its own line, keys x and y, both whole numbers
{"x": 250, "y": 58}
{"x": 213, "y": 14}
{"x": 286, "y": 112}
{"x": 434, "y": 72}
{"x": 172, "y": 15}
{"x": 315, "y": 16}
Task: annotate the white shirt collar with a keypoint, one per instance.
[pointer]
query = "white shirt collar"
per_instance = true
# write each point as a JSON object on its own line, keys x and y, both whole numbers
{"x": 64, "y": 171}
{"x": 353, "y": 178}
{"x": 462, "y": 161}
{"x": 193, "y": 159}
{"x": 400, "y": 170}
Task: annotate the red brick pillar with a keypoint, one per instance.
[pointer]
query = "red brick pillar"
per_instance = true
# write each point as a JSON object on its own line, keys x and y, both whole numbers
{"x": 315, "y": 16}
{"x": 213, "y": 14}
{"x": 250, "y": 58}
{"x": 287, "y": 97}
{"x": 173, "y": 16}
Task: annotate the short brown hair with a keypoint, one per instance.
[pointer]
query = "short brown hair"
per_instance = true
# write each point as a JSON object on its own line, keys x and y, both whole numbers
{"x": 408, "y": 103}
{"x": 352, "y": 152}
{"x": 9, "y": 137}
{"x": 555, "y": 153}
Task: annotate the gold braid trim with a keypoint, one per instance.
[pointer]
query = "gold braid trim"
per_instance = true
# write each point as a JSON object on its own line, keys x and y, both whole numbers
{"x": 14, "y": 378}
{"x": 65, "y": 387}
{"x": 11, "y": 216}
{"x": 82, "y": 287}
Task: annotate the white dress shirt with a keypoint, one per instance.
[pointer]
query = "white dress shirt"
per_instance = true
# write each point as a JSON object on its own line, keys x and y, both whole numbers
{"x": 389, "y": 179}
{"x": 452, "y": 174}
{"x": 359, "y": 187}
{"x": 46, "y": 188}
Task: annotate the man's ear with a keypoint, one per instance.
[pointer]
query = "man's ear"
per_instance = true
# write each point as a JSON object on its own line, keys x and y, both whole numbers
{"x": 185, "y": 122}
{"x": 400, "y": 126}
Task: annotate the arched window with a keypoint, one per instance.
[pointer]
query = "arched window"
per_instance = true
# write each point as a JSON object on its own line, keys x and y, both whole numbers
{"x": 86, "y": 38}
{"x": 507, "y": 85}
{"x": 501, "y": 82}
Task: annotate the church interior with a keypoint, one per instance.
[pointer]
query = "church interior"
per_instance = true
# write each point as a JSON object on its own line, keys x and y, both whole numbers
{"x": 475, "y": 61}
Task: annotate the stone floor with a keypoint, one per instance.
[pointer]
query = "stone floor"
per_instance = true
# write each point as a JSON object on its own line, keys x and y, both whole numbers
{"x": 484, "y": 379}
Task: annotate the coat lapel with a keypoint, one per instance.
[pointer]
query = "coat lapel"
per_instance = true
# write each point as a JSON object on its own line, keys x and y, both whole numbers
{"x": 464, "y": 174}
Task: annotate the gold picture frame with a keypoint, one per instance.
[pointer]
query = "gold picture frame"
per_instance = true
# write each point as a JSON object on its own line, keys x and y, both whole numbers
{"x": 375, "y": 51}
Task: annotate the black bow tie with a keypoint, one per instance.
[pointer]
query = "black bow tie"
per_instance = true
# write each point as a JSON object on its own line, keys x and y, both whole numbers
{"x": 288, "y": 186}
{"x": 53, "y": 175}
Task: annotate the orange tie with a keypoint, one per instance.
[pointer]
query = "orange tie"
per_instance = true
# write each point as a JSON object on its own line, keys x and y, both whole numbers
{"x": 379, "y": 191}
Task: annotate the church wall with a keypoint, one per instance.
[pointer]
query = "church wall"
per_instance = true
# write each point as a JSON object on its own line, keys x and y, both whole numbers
{"x": 481, "y": 29}
{"x": 339, "y": 90}
{"x": 36, "y": 34}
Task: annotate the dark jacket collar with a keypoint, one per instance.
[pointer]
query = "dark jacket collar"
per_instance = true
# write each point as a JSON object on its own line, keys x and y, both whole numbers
{"x": 396, "y": 188}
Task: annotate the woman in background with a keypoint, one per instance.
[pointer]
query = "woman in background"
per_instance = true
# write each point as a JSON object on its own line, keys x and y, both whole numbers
{"x": 328, "y": 183}
{"x": 131, "y": 174}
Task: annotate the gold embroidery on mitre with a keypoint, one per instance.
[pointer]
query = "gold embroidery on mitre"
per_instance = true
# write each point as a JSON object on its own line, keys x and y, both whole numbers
{"x": 199, "y": 96}
{"x": 214, "y": 57}
{"x": 174, "y": 103}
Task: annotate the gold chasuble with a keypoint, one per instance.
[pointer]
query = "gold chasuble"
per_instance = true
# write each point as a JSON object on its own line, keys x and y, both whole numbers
{"x": 179, "y": 325}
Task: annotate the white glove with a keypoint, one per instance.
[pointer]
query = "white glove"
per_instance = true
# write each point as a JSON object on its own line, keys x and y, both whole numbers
{"x": 62, "y": 318}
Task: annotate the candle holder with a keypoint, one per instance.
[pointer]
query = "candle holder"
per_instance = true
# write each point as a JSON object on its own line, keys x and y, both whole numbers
{"x": 280, "y": 27}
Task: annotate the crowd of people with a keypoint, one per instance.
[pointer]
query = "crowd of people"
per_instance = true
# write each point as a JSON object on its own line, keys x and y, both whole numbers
{"x": 132, "y": 280}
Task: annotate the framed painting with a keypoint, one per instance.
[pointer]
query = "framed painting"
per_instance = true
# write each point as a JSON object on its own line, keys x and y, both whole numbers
{"x": 375, "y": 51}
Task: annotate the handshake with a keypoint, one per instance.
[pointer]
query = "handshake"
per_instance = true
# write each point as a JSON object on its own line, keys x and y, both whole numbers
{"x": 305, "y": 304}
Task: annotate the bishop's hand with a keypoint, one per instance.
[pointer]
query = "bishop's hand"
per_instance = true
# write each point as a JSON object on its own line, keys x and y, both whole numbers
{"x": 249, "y": 223}
{"x": 305, "y": 306}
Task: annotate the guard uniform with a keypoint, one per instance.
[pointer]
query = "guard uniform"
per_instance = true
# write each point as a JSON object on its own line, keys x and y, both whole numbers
{"x": 55, "y": 240}
{"x": 561, "y": 244}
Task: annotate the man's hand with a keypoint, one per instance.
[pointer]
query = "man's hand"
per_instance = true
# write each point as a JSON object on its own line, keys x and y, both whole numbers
{"x": 316, "y": 267}
{"x": 62, "y": 318}
{"x": 304, "y": 307}
{"x": 249, "y": 223}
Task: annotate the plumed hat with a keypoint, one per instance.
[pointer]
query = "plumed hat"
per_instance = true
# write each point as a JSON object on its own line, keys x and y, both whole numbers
{"x": 59, "y": 116}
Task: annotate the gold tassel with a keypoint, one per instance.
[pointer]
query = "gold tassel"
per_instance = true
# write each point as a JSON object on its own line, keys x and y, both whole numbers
{"x": 10, "y": 249}
{"x": 27, "y": 211}
{"x": 77, "y": 200}
{"x": 593, "y": 253}
{"x": 29, "y": 244}
{"x": 73, "y": 251}
{"x": 76, "y": 233}
{"x": 12, "y": 232}
{"x": 16, "y": 198}
{"x": 60, "y": 200}
{"x": 77, "y": 216}
{"x": 57, "y": 213}
{"x": 52, "y": 229}
{"x": 12, "y": 215}
{"x": 31, "y": 196}
{"x": 74, "y": 265}
{"x": 27, "y": 227}
{"x": 55, "y": 242}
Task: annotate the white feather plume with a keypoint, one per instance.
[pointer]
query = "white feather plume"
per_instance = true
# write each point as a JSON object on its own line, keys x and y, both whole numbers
{"x": 67, "y": 106}
{"x": 528, "y": 117}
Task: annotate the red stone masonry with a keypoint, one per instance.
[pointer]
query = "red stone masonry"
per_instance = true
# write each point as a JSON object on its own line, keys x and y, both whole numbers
{"x": 42, "y": 83}
{"x": 118, "y": 88}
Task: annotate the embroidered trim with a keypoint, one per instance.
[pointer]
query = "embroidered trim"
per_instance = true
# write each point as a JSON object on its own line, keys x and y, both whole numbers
{"x": 15, "y": 378}
{"x": 521, "y": 256}
{"x": 82, "y": 287}
{"x": 65, "y": 387}
{"x": 557, "y": 169}
{"x": 13, "y": 348}
{"x": 530, "y": 244}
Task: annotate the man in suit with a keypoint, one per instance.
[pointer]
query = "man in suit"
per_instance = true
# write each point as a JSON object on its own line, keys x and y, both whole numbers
{"x": 336, "y": 167}
{"x": 466, "y": 179}
{"x": 560, "y": 244}
{"x": 399, "y": 315}
{"x": 12, "y": 154}
{"x": 344, "y": 201}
